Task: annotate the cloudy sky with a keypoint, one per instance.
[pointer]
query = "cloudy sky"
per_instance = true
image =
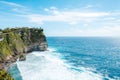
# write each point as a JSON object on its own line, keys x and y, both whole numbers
{"x": 63, "y": 17}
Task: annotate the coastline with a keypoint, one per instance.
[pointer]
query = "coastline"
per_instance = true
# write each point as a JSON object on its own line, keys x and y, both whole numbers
{"x": 16, "y": 43}
{"x": 10, "y": 62}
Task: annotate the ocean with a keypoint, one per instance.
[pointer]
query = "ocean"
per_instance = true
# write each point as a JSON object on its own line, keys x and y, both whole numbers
{"x": 72, "y": 58}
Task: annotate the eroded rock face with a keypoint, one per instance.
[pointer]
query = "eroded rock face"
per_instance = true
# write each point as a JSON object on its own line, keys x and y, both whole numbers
{"x": 37, "y": 47}
{"x": 1, "y": 66}
{"x": 22, "y": 57}
{"x": 15, "y": 43}
{"x": 43, "y": 46}
{"x": 20, "y": 41}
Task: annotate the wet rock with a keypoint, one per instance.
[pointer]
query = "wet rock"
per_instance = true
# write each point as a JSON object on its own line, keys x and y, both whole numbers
{"x": 22, "y": 57}
{"x": 43, "y": 46}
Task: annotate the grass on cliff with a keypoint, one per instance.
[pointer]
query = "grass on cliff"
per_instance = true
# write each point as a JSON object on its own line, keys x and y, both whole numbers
{"x": 17, "y": 39}
{"x": 5, "y": 76}
{"x": 5, "y": 49}
{"x": 10, "y": 45}
{"x": 15, "y": 42}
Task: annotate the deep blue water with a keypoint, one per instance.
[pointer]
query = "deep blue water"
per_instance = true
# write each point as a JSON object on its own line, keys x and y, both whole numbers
{"x": 103, "y": 54}
{"x": 98, "y": 54}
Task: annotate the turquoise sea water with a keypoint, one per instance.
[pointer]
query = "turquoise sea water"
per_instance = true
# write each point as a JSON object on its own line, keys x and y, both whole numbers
{"x": 72, "y": 58}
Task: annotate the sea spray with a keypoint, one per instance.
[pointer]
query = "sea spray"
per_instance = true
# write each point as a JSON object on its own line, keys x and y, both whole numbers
{"x": 50, "y": 66}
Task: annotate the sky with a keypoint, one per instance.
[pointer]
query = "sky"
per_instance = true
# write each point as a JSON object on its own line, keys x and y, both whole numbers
{"x": 63, "y": 17}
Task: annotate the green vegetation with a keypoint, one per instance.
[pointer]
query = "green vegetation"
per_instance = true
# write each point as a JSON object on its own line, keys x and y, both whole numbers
{"x": 4, "y": 49}
{"x": 5, "y": 76}
{"x": 7, "y": 30}
{"x": 36, "y": 34}
{"x": 15, "y": 42}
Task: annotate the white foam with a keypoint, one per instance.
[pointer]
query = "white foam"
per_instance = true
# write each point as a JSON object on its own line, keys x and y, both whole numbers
{"x": 47, "y": 66}
{"x": 51, "y": 49}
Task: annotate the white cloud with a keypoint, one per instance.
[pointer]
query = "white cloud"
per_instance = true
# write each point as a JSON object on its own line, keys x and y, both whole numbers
{"x": 89, "y": 6}
{"x": 14, "y": 7}
{"x": 73, "y": 31}
{"x": 11, "y": 4}
{"x": 94, "y": 23}
{"x": 46, "y": 9}
{"x": 53, "y": 8}
{"x": 71, "y": 17}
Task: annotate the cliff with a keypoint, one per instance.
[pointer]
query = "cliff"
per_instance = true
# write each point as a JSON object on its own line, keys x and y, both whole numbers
{"x": 16, "y": 42}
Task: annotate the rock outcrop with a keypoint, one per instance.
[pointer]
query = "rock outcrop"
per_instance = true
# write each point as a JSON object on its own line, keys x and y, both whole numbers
{"x": 22, "y": 57}
{"x": 16, "y": 42}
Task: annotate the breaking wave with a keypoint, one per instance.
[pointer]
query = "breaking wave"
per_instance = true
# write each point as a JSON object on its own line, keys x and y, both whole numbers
{"x": 50, "y": 65}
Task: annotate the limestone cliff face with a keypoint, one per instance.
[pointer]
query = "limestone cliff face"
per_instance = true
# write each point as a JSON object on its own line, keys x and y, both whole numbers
{"x": 34, "y": 39}
{"x": 17, "y": 41}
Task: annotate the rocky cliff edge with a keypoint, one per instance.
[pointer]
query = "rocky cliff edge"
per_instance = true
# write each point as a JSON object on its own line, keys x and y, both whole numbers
{"x": 15, "y": 42}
